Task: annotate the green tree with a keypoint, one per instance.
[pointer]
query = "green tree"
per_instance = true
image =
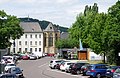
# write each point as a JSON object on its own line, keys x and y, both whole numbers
{"x": 99, "y": 31}
{"x": 65, "y": 43}
{"x": 9, "y": 29}
{"x": 96, "y": 39}
{"x": 113, "y": 32}
{"x": 83, "y": 24}
{"x": 89, "y": 27}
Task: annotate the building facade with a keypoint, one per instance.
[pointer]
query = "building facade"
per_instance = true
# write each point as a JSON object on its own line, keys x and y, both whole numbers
{"x": 51, "y": 34}
{"x": 36, "y": 39}
{"x": 32, "y": 39}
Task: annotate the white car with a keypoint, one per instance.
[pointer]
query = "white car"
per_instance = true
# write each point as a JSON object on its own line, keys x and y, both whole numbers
{"x": 9, "y": 66}
{"x": 9, "y": 59}
{"x": 53, "y": 63}
{"x": 65, "y": 65}
{"x": 32, "y": 57}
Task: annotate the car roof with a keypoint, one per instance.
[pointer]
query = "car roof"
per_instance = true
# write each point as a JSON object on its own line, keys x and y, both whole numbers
{"x": 15, "y": 67}
{"x": 97, "y": 64}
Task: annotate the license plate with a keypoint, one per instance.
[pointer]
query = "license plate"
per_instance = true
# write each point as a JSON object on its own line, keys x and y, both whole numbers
{"x": 88, "y": 71}
{"x": 108, "y": 72}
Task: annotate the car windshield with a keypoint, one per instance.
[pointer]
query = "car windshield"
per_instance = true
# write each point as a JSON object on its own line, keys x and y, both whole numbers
{"x": 112, "y": 67}
{"x": 51, "y": 61}
{"x": 69, "y": 63}
{"x": 90, "y": 67}
{"x": 58, "y": 61}
{"x": 117, "y": 70}
{"x": 16, "y": 70}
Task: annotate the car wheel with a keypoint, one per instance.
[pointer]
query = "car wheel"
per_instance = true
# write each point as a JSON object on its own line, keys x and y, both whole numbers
{"x": 78, "y": 72}
{"x": 84, "y": 74}
{"x": 98, "y": 75}
{"x": 54, "y": 67}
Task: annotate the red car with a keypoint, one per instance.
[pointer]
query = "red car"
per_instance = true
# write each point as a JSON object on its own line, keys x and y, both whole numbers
{"x": 25, "y": 57}
{"x": 50, "y": 54}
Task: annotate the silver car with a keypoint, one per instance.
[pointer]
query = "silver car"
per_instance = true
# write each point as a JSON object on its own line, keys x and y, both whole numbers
{"x": 116, "y": 74}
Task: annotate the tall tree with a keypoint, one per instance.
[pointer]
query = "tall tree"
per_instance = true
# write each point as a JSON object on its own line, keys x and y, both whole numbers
{"x": 9, "y": 29}
{"x": 113, "y": 25}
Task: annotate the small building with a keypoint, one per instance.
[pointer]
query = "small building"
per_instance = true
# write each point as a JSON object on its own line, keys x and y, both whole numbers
{"x": 83, "y": 54}
{"x": 94, "y": 56}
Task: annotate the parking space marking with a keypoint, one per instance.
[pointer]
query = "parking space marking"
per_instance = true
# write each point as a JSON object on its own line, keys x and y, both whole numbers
{"x": 43, "y": 65}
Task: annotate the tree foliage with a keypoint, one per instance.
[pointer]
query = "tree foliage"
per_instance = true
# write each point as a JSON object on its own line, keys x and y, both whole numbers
{"x": 113, "y": 27}
{"x": 66, "y": 43}
{"x": 9, "y": 29}
{"x": 99, "y": 31}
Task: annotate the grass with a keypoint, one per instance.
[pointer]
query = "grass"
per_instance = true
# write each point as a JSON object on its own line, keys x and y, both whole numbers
{"x": 95, "y": 62}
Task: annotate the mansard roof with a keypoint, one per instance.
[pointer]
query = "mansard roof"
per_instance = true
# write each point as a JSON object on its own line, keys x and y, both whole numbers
{"x": 51, "y": 27}
{"x": 31, "y": 26}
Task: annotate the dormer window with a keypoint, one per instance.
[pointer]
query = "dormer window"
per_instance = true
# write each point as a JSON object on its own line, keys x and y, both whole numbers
{"x": 32, "y": 29}
{"x": 50, "y": 27}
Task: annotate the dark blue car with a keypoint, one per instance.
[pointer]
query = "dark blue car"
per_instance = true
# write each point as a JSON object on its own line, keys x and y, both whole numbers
{"x": 97, "y": 70}
{"x": 110, "y": 71}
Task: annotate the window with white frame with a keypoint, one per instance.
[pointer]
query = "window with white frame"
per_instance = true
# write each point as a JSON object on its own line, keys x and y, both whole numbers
{"x": 35, "y": 49}
{"x": 25, "y": 49}
{"x": 35, "y": 35}
{"x": 39, "y": 42}
{"x": 30, "y": 49}
{"x": 19, "y": 42}
{"x": 30, "y": 42}
{"x": 35, "y": 42}
{"x": 39, "y": 49}
{"x": 20, "y": 50}
{"x": 25, "y": 35}
{"x": 25, "y": 42}
{"x": 39, "y": 35}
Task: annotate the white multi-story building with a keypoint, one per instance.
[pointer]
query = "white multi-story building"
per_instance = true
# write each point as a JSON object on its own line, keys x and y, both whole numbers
{"x": 32, "y": 39}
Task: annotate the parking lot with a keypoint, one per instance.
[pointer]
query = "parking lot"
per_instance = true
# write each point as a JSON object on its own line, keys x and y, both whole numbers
{"x": 40, "y": 68}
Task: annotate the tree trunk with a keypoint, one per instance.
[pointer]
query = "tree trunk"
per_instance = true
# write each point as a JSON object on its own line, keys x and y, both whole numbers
{"x": 104, "y": 57}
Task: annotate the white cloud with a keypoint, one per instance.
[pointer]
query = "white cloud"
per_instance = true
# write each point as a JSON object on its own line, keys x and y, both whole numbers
{"x": 64, "y": 1}
{"x": 3, "y": 1}
{"x": 61, "y": 12}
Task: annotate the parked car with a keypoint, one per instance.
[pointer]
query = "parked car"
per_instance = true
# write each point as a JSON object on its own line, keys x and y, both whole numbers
{"x": 37, "y": 54}
{"x": 18, "y": 56}
{"x": 110, "y": 71}
{"x": 25, "y": 57}
{"x": 54, "y": 63}
{"x": 50, "y": 54}
{"x": 17, "y": 71}
{"x": 8, "y": 75}
{"x": 84, "y": 69}
{"x": 97, "y": 70}
{"x": 76, "y": 68}
{"x": 116, "y": 74}
{"x": 60, "y": 64}
{"x": 9, "y": 59}
{"x": 67, "y": 70}
{"x": 65, "y": 65}
{"x": 9, "y": 66}
{"x": 32, "y": 57}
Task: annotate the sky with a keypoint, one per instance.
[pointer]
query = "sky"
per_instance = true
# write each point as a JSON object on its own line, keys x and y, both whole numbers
{"x": 60, "y": 12}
